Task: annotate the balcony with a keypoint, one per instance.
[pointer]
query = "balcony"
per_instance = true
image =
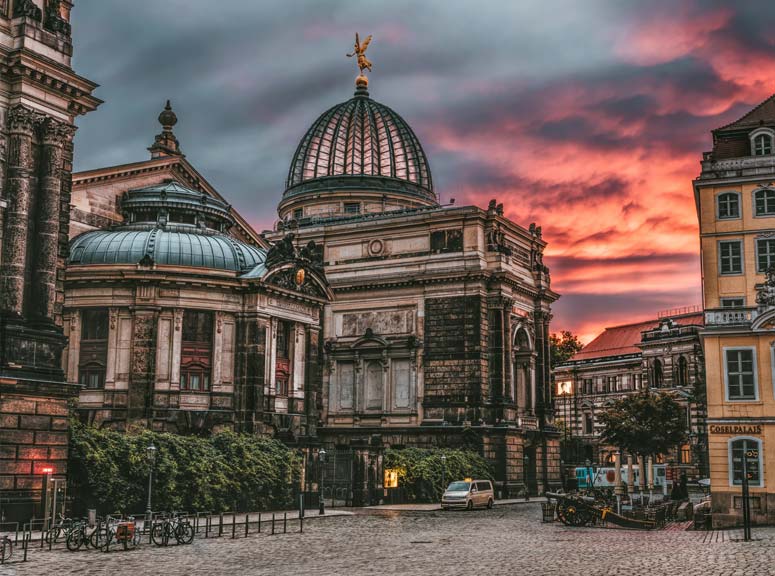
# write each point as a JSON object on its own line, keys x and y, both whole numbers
{"x": 737, "y": 167}
{"x": 730, "y": 316}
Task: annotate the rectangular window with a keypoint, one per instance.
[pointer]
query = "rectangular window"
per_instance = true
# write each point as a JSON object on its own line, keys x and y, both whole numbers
{"x": 732, "y": 302}
{"x": 731, "y": 257}
{"x": 345, "y": 380}
{"x": 196, "y": 351}
{"x": 401, "y": 382}
{"x": 446, "y": 241}
{"x": 740, "y": 373}
{"x": 751, "y": 449}
{"x": 764, "y": 201}
{"x": 298, "y": 214}
{"x": 589, "y": 426}
{"x": 765, "y": 254}
{"x": 93, "y": 357}
{"x": 283, "y": 361}
{"x": 352, "y": 207}
{"x": 728, "y": 205}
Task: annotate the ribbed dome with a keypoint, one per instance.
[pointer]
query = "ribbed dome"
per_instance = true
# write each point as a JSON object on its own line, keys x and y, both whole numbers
{"x": 360, "y": 144}
{"x": 179, "y": 246}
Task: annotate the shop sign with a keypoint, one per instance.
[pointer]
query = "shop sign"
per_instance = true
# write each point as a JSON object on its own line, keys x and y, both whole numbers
{"x": 736, "y": 429}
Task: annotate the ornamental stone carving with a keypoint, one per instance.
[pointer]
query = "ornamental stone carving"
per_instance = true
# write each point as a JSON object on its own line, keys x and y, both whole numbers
{"x": 765, "y": 293}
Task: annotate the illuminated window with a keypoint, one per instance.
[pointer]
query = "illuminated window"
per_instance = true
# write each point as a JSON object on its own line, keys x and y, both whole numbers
{"x": 686, "y": 454}
{"x": 728, "y": 205}
{"x": 391, "y": 477}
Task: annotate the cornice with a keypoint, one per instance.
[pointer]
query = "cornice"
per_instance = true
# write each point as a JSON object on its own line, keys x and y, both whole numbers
{"x": 50, "y": 76}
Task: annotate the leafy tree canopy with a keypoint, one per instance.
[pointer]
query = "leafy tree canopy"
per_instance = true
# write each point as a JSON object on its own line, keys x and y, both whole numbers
{"x": 563, "y": 347}
{"x": 644, "y": 424}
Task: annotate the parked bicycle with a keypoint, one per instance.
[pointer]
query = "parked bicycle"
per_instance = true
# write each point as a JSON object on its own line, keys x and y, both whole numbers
{"x": 78, "y": 535}
{"x": 172, "y": 526}
{"x": 6, "y": 549}
{"x": 60, "y": 529}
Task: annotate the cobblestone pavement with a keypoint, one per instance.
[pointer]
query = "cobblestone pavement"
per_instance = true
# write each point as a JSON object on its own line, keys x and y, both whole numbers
{"x": 508, "y": 540}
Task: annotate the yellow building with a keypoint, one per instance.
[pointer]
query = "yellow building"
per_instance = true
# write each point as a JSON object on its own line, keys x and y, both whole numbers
{"x": 735, "y": 198}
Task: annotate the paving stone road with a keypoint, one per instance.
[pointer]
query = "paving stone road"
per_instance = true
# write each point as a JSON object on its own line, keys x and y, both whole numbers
{"x": 509, "y": 540}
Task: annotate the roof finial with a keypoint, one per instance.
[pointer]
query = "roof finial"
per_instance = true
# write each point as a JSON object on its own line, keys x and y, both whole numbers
{"x": 361, "y": 82}
{"x": 165, "y": 144}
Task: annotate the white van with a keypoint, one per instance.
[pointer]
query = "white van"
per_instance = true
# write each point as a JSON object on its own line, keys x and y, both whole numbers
{"x": 468, "y": 494}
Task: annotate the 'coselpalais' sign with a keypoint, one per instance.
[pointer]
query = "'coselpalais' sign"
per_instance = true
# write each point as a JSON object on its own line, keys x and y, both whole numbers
{"x": 736, "y": 429}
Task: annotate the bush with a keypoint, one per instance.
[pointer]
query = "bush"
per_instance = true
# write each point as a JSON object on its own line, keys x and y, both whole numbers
{"x": 227, "y": 471}
{"x": 420, "y": 471}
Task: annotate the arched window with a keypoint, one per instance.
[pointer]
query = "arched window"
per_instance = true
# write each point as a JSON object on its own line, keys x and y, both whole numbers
{"x": 751, "y": 450}
{"x": 728, "y": 205}
{"x": 683, "y": 372}
{"x": 764, "y": 202}
{"x": 657, "y": 381}
{"x": 589, "y": 424}
{"x": 762, "y": 144}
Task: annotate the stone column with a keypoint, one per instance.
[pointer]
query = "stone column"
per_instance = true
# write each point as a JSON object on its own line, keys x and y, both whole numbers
{"x": 44, "y": 277}
{"x": 74, "y": 345}
{"x": 312, "y": 380}
{"x": 21, "y": 124}
{"x": 630, "y": 476}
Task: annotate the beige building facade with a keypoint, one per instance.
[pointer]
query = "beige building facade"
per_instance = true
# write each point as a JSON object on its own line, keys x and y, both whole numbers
{"x": 735, "y": 202}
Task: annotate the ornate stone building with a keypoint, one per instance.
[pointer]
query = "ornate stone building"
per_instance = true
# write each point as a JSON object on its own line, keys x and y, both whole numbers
{"x": 372, "y": 316}
{"x": 179, "y": 316}
{"x": 438, "y": 330}
{"x": 662, "y": 354}
{"x": 40, "y": 95}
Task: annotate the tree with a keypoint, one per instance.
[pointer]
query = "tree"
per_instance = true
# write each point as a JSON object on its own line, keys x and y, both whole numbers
{"x": 644, "y": 424}
{"x": 563, "y": 347}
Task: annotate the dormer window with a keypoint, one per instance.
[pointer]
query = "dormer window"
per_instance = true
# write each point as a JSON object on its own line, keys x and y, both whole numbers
{"x": 761, "y": 141}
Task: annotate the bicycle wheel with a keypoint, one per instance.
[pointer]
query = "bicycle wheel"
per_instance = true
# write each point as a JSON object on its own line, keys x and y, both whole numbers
{"x": 53, "y": 535}
{"x": 75, "y": 540}
{"x": 160, "y": 534}
{"x": 184, "y": 533}
{"x": 6, "y": 549}
{"x": 98, "y": 537}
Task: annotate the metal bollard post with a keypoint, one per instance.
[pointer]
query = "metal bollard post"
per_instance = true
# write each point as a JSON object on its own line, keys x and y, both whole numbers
{"x": 150, "y": 528}
{"x": 272, "y": 524}
{"x": 196, "y": 524}
{"x": 220, "y": 524}
{"x": 26, "y": 542}
{"x": 207, "y": 526}
{"x": 50, "y": 540}
{"x": 285, "y": 522}
{"x": 247, "y": 520}
{"x": 41, "y": 536}
{"x": 233, "y": 525}
{"x": 259, "y": 522}
{"x": 301, "y": 525}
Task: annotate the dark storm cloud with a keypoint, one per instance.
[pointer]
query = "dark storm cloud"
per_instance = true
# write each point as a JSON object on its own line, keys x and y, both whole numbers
{"x": 589, "y": 117}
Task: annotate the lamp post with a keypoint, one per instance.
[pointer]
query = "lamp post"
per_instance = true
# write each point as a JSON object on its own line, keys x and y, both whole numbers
{"x": 322, "y": 460}
{"x": 150, "y": 454}
{"x": 588, "y": 465}
{"x": 443, "y": 473}
{"x": 526, "y": 460}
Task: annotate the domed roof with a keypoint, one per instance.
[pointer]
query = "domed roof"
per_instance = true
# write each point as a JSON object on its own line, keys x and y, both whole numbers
{"x": 361, "y": 144}
{"x": 168, "y": 224}
{"x": 180, "y": 245}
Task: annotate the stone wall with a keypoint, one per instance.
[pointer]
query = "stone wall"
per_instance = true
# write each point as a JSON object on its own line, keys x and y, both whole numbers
{"x": 455, "y": 358}
{"x": 33, "y": 436}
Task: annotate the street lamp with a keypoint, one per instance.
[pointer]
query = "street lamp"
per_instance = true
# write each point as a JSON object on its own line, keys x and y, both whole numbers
{"x": 150, "y": 454}
{"x": 443, "y": 473}
{"x": 322, "y": 460}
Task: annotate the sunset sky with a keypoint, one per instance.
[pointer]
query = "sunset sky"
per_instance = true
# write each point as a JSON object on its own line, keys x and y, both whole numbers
{"x": 588, "y": 118}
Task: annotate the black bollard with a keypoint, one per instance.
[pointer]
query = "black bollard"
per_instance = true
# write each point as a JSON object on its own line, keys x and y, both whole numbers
{"x": 285, "y": 522}
{"x": 220, "y": 524}
{"x": 272, "y": 524}
{"x": 259, "y": 522}
{"x": 233, "y": 525}
{"x": 247, "y": 520}
{"x": 301, "y": 524}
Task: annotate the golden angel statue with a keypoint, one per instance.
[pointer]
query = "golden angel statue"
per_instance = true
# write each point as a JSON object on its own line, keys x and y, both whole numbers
{"x": 360, "y": 51}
